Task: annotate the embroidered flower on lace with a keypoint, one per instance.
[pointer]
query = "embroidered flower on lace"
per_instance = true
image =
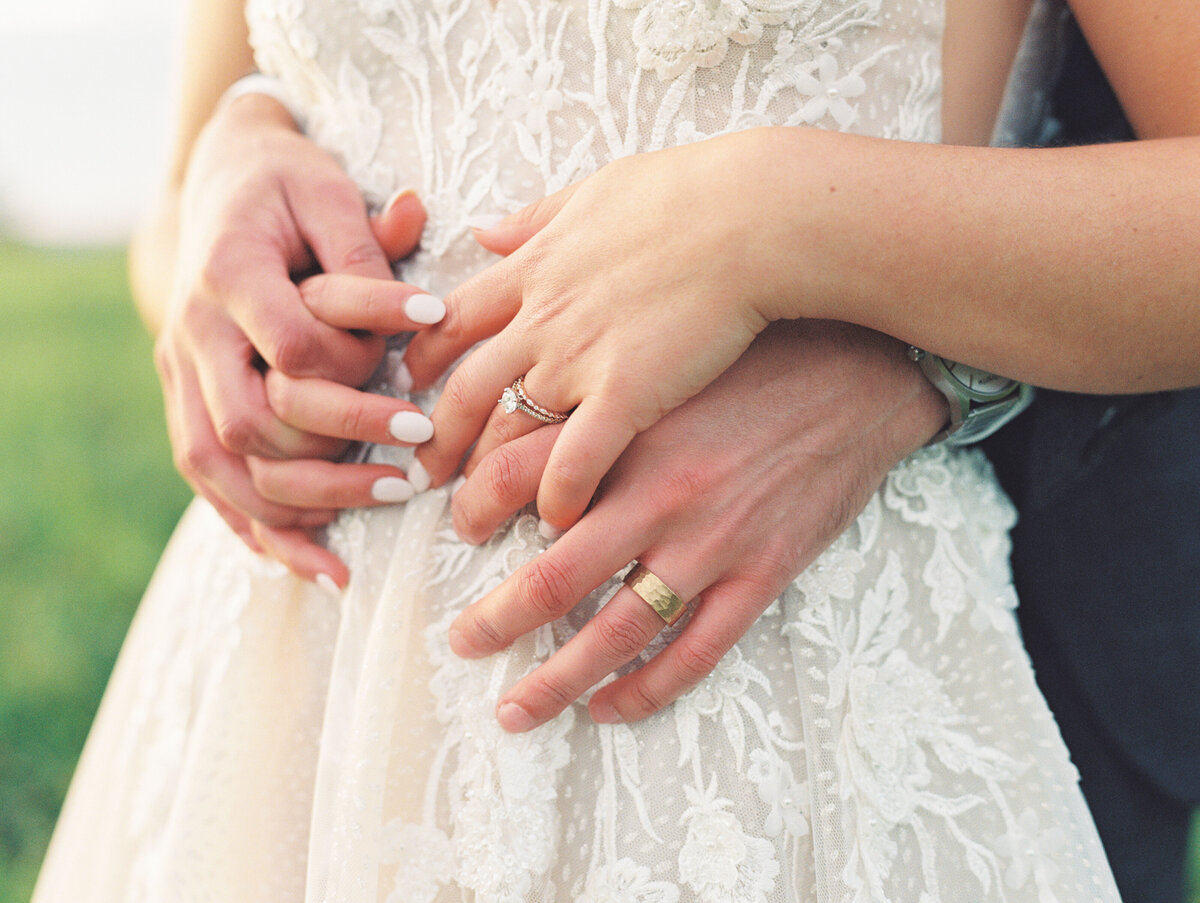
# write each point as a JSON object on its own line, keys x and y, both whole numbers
{"x": 921, "y": 488}
{"x": 424, "y": 860}
{"x": 828, "y": 92}
{"x": 673, "y": 35}
{"x": 503, "y": 796}
{"x": 530, "y": 93}
{"x": 624, "y": 881}
{"x": 719, "y": 861}
{"x": 787, "y": 799}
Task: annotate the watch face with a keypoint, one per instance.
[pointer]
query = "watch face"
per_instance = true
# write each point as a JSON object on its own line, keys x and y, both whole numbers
{"x": 979, "y": 382}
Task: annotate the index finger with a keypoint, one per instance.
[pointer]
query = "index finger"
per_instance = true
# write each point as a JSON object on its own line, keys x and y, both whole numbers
{"x": 550, "y": 585}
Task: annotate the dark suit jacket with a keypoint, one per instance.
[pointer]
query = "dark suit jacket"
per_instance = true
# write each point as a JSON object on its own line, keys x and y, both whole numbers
{"x": 1106, "y": 554}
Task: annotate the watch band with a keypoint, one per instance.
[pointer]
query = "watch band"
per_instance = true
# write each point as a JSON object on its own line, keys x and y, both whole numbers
{"x": 974, "y": 414}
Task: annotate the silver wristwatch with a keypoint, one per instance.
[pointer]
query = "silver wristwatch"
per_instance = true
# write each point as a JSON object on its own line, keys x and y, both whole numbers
{"x": 980, "y": 402}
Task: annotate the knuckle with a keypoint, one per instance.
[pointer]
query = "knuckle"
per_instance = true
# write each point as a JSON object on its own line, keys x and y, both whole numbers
{"x": 360, "y": 254}
{"x": 237, "y": 434}
{"x": 357, "y": 422}
{"x": 490, "y": 635}
{"x": 454, "y": 397}
{"x": 451, "y": 325}
{"x": 545, "y": 587}
{"x": 314, "y": 292}
{"x": 218, "y": 273}
{"x": 469, "y": 520}
{"x": 696, "y": 659}
{"x": 193, "y": 461}
{"x": 552, "y": 688}
{"x": 620, "y": 637}
{"x": 262, "y": 478}
{"x": 504, "y": 473}
{"x": 680, "y": 486}
{"x": 292, "y": 351}
{"x": 642, "y": 700}
{"x": 281, "y": 396}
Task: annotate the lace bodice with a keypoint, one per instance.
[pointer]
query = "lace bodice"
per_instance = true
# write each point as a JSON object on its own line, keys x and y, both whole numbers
{"x": 483, "y": 110}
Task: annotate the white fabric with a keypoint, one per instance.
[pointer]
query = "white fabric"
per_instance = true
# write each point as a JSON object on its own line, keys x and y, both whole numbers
{"x": 876, "y": 736}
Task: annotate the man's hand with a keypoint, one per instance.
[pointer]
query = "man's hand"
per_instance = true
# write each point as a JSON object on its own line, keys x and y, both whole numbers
{"x": 261, "y": 208}
{"x": 727, "y": 499}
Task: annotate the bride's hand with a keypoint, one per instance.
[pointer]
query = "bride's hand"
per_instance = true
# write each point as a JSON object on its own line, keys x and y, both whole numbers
{"x": 621, "y": 297}
{"x": 726, "y": 499}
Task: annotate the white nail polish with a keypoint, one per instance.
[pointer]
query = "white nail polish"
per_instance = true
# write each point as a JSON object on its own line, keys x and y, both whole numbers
{"x": 418, "y": 476}
{"x": 484, "y": 221}
{"x": 326, "y": 583}
{"x": 458, "y": 484}
{"x": 549, "y": 531}
{"x": 424, "y": 308}
{"x": 411, "y": 426}
{"x": 391, "y": 490}
{"x": 398, "y": 374}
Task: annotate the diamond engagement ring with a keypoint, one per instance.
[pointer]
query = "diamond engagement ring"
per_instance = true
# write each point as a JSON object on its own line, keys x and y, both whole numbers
{"x": 655, "y": 593}
{"x": 514, "y": 399}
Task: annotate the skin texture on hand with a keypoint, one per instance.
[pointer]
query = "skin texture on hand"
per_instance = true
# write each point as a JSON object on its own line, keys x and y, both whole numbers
{"x": 727, "y": 499}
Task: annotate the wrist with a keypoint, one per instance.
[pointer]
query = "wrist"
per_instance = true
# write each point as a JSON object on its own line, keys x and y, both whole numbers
{"x": 263, "y": 97}
{"x": 797, "y": 195}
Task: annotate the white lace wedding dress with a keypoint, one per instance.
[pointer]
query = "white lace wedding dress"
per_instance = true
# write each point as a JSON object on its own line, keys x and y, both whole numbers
{"x": 876, "y": 736}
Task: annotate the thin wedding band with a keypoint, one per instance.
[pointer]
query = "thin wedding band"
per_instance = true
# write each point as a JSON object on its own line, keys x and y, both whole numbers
{"x": 515, "y": 399}
{"x": 655, "y": 593}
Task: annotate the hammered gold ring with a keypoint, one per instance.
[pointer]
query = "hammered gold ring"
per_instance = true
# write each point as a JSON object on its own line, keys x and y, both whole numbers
{"x": 514, "y": 399}
{"x": 655, "y": 593}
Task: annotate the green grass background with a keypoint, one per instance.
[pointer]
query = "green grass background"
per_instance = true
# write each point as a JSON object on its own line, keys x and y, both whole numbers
{"x": 88, "y": 498}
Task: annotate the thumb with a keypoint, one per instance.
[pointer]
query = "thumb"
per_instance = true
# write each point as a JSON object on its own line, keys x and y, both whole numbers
{"x": 398, "y": 226}
{"x": 510, "y": 232}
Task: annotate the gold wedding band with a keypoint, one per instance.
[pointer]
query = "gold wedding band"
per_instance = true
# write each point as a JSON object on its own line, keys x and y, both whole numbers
{"x": 655, "y": 593}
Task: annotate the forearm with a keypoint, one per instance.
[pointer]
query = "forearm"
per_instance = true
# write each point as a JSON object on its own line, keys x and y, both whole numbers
{"x": 1076, "y": 268}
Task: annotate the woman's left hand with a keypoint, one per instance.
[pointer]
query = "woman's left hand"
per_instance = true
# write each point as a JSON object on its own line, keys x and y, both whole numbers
{"x": 621, "y": 297}
{"x": 726, "y": 500}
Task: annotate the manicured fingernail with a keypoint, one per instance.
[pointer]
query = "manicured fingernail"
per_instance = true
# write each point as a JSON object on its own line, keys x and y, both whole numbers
{"x": 458, "y": 484}
{"x": 396, "y": 199}
{"x": 391, "y": 490}
{"x": 424, "y": 309}
{"x": 514, "y": 718}
{"x": 398, "y": 374}
{"x": 411, "y": 426}
{"x": 549, "y": 531}
{"x": 603, "y": 713}
{"x": 418, "y": 476}
{"x": 484, "y": 221}
{"x": 327, "y": 583}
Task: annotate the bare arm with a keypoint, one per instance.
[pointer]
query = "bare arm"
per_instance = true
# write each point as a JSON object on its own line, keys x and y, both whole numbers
{"x": 1077, "y": 269}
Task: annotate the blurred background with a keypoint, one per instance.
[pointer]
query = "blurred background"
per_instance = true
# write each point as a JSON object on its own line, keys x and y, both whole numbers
{"x": 87, "y": 492}
{"x": 88, "y": 495}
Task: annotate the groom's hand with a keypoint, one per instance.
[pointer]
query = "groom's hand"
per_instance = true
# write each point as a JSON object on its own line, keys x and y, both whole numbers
{"x": 260, "y": 207}
{"x": 727, "y": 499}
